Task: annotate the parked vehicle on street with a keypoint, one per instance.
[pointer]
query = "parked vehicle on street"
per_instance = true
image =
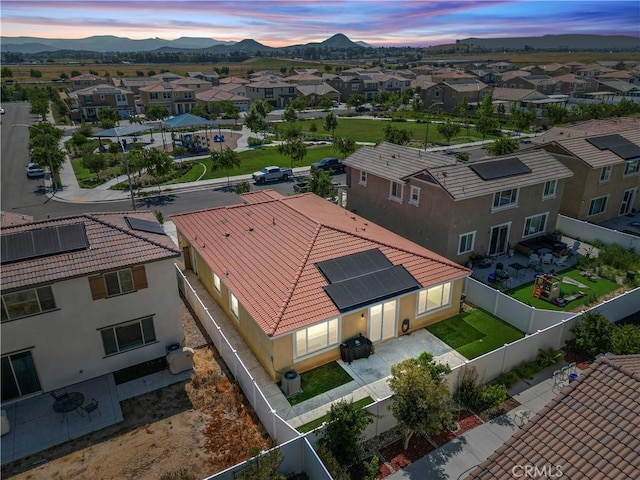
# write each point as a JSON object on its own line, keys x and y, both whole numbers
{"x": 34, "y": 171}
{"x": 362, "y": 108}
{"x": 331, "y": 164}
{"x": 268, "y": 174}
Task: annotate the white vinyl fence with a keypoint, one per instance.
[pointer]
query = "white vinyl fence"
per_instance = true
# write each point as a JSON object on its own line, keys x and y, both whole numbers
{"x": 589, "y": 232}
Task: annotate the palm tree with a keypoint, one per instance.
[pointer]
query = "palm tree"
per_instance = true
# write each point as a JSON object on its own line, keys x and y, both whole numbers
{"x": 225, "y": 159}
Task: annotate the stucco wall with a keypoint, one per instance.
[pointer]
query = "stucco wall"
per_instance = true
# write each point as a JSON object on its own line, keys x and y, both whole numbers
{"x": 66, "y": 343}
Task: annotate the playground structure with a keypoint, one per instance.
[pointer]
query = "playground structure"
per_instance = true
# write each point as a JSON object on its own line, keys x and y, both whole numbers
{"x": 547, "y": 287}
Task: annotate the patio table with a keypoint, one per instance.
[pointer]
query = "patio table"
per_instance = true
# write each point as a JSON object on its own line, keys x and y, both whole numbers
{"x": 68, "y": 403}
{"x": 517, "y": 267}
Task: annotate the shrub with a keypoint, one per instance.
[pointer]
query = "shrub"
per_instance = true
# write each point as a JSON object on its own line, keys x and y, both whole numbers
{"x": 242, "y": 187}
{"x": 507, "y": 379}
{"x": 625, "y": 340}
{"x": 548, "y": 357}
{"x": 332, "y": 465}
{"x": 468, "y": 388}
{"x": 492, "y": 396}
{"x": 592, "y": 335}
{"x": 526, "y": 369}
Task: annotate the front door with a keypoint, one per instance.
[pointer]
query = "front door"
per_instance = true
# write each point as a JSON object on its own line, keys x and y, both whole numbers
{"x": 499, "y": 239}
{"x": 382, "y": 321}
{"x": 19, "y": 375}
{"x": 627, "y": 201}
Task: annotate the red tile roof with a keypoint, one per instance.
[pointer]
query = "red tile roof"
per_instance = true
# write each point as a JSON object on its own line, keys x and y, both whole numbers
{"x": 265, "y": 251}
{"x": 590, "y": 429}
{"x": 112, "y": 245}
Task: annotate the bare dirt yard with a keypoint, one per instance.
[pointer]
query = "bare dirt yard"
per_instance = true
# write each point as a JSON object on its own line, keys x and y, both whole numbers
{"x": 192, "y": 429}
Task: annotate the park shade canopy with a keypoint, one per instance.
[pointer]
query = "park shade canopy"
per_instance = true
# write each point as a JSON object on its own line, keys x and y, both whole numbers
{"x": 123, "y": 131}
{"x": 187, "y": 120}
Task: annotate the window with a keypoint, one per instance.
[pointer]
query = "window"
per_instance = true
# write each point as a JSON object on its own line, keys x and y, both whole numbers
{"x": 128, "y": 335}
{"x": 292, "y": 89}
{"x": 363, "y": 177}
{"x": 120, "y": 98}
{"x": 505, "y": 198}
{"x": 216, "y": 282}
{"x": 188, "y": 95}
{"x": 434, "y": 297}
{"x": 415, "y": 195}
{"x": 19, "y": 375}
{"x": 355, "y": 87}
{"x": 117, "y": 283}
{"x": 466, "y": 242}
{"x": 597, "y": 205}
{"x": 27, "y": 302}
{"x": 268, "y": 93}
{"x": 153, "y": 95}
{"x": 396, "y": 191}
{"x": 316, "y": 337}
{"x": 549, "y": 190}
{"x": 166, "y": 95}
{"x": 632, "y": 167}
{"x": 605, "y": 174}
{"x": 233, "y": 304}
{"x": 535, "y": 224}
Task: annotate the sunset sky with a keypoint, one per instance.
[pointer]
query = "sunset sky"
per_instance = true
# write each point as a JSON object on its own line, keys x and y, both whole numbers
{"x": 283, "y": 22}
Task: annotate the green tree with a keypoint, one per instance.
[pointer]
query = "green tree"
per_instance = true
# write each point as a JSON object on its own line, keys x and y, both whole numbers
{"x": 324, "y": 103}
{"x": 44, "y": 145}
{"x": 417, "y": 104}
{"x": 94, "y": 162}
{"x": 6, "y": 72}
{"x": 421, "y": 400}
{"x": 226, "y": 159}
{"x": 294, "y": 148}
{"x": 345, "y": 145}
{"x": 448, "y": 129}
{"x": 592, "y": 335}
{"x": 320, "y": 182}
{"x": 157, "y": 112}
{"x": 299, "y": 103}
{"x": 40, "y": 102}
{"x": 625, "y": 340}
{"x": 555, "y": 113}
{"x": 158, "y": 164}
{"x": 355, "y": 100}
{"x": 289, "y": 131}
{"x": 255, "y": 121}
{"x": 503, "y": 146}
{"x": 108, "y": 117}
{"x": 486, "y": 125}
{"x": 343, "y": 434}
{"x": 262, "y": 107}
{"x": 198, "y": 110}
{"x": 398, "y": 136}
{"x": 263, "y": 466}
{"x": 35, "y": 73}
{"x": 330, "y": 123}
{"x": 290, "y": 114}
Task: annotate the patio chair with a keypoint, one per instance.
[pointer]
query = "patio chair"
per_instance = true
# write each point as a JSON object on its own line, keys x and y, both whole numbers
{"x": 560, "y": 261}
{"x": 59, "y": 394}
{"x": 92, "y": 406}
{"x": 547, "y": 259}
{"x": 575, "y": 248}
{"x": 560, "y": 380}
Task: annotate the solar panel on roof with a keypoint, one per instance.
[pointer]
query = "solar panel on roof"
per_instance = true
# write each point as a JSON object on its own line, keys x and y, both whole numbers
{"x": 358, "y": 291}
{"x": 43, "y": 242}
{"x": 144, "y": 225}
{"x": 616, "y": 144}
{"x": 605, "y": 142}
{"x": 627, "y": 151}
{"x": 507, "y": 167}
{"x": 354, "y": 265}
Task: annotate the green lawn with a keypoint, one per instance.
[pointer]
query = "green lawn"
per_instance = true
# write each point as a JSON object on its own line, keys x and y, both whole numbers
{"x": 596, "y": 289}
{"x": 320, "y": 380}
{"x": 307, "y": 427}
{"x": 474, "y": 332}
{"x": 367, "y": 130}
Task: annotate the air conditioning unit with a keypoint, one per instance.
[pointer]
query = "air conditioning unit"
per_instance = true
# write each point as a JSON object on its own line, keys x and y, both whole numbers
{"x": 291, "y": 383}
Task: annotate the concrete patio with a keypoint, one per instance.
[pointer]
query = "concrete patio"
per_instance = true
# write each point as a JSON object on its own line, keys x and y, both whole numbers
{"x": 35, "y": 427}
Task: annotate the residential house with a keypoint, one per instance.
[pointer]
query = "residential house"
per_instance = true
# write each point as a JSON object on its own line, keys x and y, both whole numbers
{"x": 447, "y": 95}
{"x": 305, "y": 79}
{"x": 298, "y": 275}
{"x": 542, "y": 83}
{"x": 570, "y": 84}
{"x": 91, "y": 100}
{"x": 220, "y": 94}
{"x": 620, "y": 88}
{"x": 592, "y": 71}
{"x": 86, "y": 80}
{"x": 175, "y": 98}
{"x": 235, "y": 80}
{"x": 194, "y": 84}
{"x": 551, "y": 69}
{"x": 313, "y": 93}
{"x": 587, "y": 431}
{"x": 605, "y": 161}
{"x": 212, "y": 77}
{"x": 456, "y": 208}
{"x": 347, "y": 86}
{"x": 509, "y": 79}
{"x": 134, "y": 83}
{"x": 501, "y": 66}
{"x": 516, "y": 98}
{"x": 391, "y": 83}
{"x": 83, "y": 296}
{"x": 272, "y": 89}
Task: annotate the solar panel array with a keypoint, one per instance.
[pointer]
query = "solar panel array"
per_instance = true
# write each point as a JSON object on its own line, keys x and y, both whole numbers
{"x": 355, "y": 265}
{"x": 144, "y": 225}
{"x": 361, "y": 278}
{"x": 43, "y": 242}
{"x": 616, "y": 144}
{"x": 507, "y": 167}
{"x": 362, "y": 290}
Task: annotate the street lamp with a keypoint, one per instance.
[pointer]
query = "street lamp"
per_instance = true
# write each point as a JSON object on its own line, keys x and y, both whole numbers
{"x": 46, "y": 148}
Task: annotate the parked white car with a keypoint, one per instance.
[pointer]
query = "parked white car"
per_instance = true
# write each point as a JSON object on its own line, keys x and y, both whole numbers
{"x": 34, "y": 171}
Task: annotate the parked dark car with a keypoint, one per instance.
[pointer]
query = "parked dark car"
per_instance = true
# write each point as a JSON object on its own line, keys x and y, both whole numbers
{"x": 332, "y": 164}
{"x": 378, "y": 108}
{"x": 362, "y": 108}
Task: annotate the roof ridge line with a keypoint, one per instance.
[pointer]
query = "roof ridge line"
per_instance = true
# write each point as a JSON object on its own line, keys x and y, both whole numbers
{"x": 297, "y": 277}
{"x": 140, "y": 237}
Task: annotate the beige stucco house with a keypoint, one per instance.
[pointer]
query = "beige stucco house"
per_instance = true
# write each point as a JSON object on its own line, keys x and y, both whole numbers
{"x": 83, "y": 296}
{"x": 457, "y": 208}
{"x": 298, "y": 276}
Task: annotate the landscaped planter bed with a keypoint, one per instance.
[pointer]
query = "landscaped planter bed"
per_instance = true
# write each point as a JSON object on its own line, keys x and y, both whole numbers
{"x": 467, "y": 421}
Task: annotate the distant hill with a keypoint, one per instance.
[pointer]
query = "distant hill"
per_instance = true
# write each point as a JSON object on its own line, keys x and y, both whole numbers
{"x": 556, "y": 42}
{"x": 109, "y": 43}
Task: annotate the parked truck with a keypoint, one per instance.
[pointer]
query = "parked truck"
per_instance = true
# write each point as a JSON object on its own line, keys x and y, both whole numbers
{"x": 268, "y": 174}
{"x": 330, "y": 164}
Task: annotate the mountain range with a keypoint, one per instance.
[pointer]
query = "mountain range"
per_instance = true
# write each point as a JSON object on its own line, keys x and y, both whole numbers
{"x": 110, "y": 43}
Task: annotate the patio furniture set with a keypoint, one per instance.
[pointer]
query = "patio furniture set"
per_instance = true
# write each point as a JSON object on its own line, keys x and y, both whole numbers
{"x": 65, "y": 402}
{"x": 562, "y": 377}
